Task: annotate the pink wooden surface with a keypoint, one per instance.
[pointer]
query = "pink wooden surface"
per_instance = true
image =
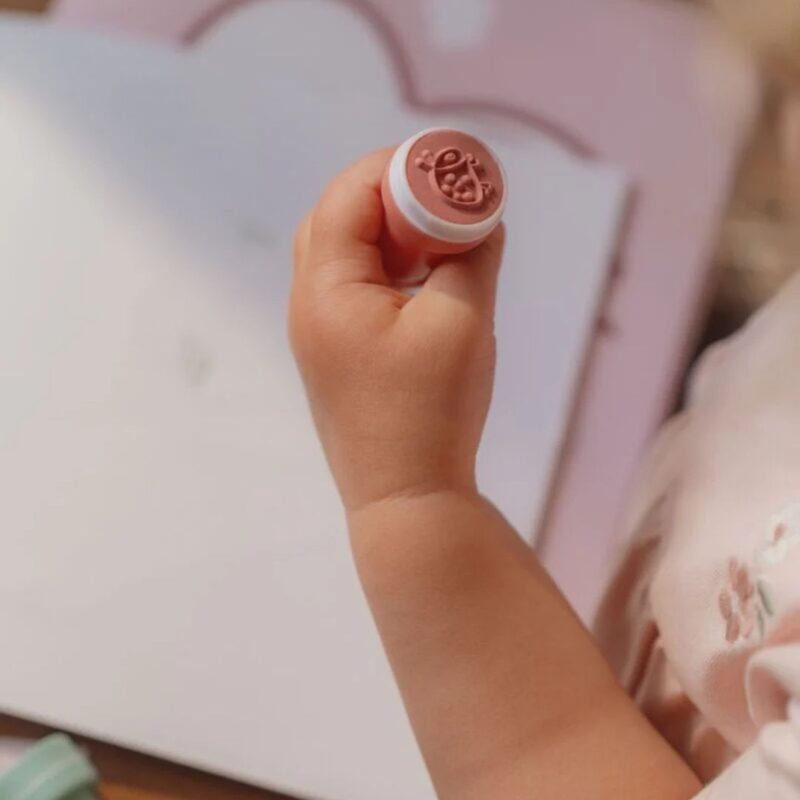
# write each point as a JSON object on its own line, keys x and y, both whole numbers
{"x": 625, "y": 91}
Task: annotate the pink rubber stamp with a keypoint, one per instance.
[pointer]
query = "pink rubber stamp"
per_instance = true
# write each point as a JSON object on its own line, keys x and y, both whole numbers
{"x": 444, "y": 191}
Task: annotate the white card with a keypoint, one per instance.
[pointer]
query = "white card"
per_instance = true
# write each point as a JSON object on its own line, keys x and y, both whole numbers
{"x": 176, "y": 575}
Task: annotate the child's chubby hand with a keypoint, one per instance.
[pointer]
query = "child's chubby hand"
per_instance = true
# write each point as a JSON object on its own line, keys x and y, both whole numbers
{"x": 399, "y": 386}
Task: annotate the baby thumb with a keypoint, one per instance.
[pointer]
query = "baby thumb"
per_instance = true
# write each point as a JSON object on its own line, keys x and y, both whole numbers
{"x": 469, "y": 278}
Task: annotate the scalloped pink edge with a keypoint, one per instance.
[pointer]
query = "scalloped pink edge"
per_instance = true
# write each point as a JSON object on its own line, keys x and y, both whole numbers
{"x": 658, "y": 288}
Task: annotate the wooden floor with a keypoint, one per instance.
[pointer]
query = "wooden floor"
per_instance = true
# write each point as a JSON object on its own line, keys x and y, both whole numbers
{"x": 24, "y": 5}
{"x": 131, "y": 776}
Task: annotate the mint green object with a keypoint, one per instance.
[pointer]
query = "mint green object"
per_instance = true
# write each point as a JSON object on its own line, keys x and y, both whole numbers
{"x": 52, "y": 769}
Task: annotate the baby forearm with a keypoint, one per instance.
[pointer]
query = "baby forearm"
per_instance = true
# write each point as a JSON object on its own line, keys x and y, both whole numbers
{"x": 503, "y": 685}
{"x": 507, "y": 694}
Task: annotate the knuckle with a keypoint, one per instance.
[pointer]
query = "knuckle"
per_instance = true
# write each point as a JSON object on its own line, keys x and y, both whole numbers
{"x": 327, "y": 209}
{"x": 318, "y": 330}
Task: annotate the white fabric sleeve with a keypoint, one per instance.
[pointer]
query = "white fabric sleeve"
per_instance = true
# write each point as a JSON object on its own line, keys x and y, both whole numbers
{"x": 770, "y": 768}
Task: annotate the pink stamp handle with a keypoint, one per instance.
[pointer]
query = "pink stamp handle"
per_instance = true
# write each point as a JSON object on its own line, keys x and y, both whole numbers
{"x": 444, "y": 191}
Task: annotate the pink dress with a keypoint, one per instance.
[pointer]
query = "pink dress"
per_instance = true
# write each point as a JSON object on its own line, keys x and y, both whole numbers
{"x": 702, "y": 620}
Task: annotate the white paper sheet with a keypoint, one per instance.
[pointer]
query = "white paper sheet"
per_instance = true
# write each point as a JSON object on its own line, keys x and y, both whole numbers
{"x": 175, "y": 574}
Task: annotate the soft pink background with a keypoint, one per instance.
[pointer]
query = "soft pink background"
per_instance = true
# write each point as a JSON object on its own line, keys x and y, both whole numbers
{"x": 626, "y": 89}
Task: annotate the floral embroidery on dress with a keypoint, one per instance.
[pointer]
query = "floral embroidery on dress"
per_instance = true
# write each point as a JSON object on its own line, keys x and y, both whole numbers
{"x": 746, "y": 602}
{"x": 793, "y": 714}
{"x": 785, "y": 536}
{"x": 739, "y": 603}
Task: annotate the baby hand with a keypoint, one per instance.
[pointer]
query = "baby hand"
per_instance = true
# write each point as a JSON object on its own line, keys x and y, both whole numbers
{"x": 399, "y": 387}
